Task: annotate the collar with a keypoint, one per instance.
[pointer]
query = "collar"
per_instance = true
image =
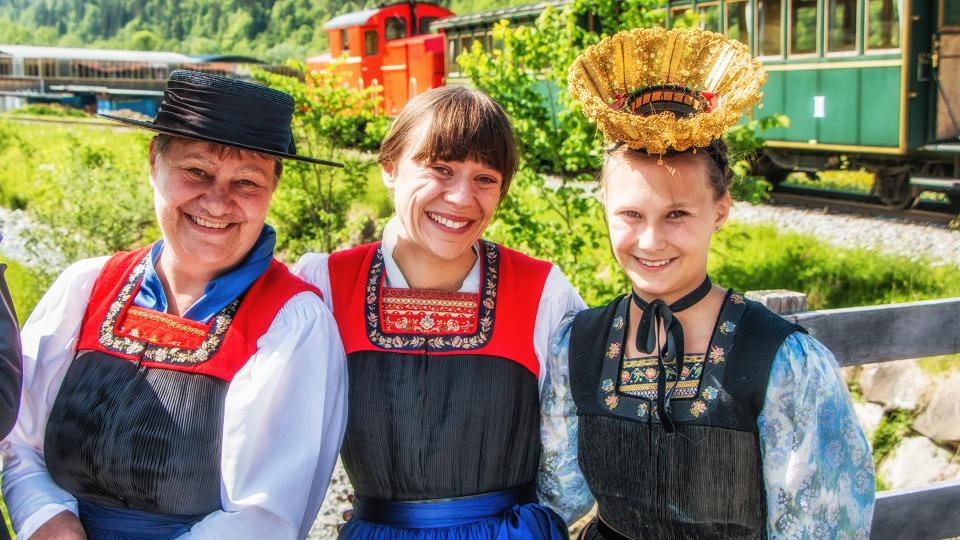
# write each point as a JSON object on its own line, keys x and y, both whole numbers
{"x": 395, "y": 279}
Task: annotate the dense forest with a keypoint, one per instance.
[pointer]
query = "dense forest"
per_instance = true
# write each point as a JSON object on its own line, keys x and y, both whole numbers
{"x": 270, "y": 29}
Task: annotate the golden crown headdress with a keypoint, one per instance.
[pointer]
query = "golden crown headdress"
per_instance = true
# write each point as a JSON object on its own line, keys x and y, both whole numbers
{"x": 657, "y": 89}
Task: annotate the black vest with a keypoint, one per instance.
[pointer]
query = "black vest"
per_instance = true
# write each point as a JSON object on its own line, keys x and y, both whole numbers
{"x": 706, "y": 479}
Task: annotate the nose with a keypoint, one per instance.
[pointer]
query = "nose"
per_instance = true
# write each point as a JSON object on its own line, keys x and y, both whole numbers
{"x": 216, "y": 200}
{"x": 651, "y": 239}
{"x": 459, "y": 190}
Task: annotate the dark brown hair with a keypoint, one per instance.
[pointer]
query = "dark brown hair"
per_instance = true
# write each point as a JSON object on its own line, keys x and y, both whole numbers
{"x": 465, "y": 124}
{"x": 162, "y": 141}
{"x": 714, "y": 159}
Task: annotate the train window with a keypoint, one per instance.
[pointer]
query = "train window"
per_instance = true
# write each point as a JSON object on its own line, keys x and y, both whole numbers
{"x": 370, "y": 43}
{"x": 842, "y": 25}
{"x": 49, "y": 68}
{"x": 708, "y": 15}
{"x": 949, "y": 13}
{"x": 677, "y": 15}
{"x": 6, "y": 66}
{"x": 737, "y": 23}
{"x": 396, "y": 28}
{"x": 465, "y": 43}
{"x": 804, "y": 19}
{"x": 452, "y": 52}
{"x": 425, "y": 22}
{"x": 769, "y": 30}
{"x": 344, "y": 41}
{"x": 883, "y": 24}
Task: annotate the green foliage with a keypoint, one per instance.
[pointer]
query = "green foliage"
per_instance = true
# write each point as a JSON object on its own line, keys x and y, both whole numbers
{"x": 315, "y": 209}
{"x": 43, "y": 109}
{"x": 754, "y": 258}
{"x": 893, "y": 427}
{"x": 745, "y": 143}
{"x": 26, "y": 287}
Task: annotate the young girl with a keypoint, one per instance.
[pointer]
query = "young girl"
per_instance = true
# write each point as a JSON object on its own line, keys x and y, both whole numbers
{"x": 700, "y": 414}
{"x": 446, "y": 336}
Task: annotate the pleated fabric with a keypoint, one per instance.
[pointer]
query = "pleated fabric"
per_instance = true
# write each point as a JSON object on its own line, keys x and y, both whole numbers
{"x": 127, "y": 436}
{"x": 700, "y": 482}
{"x": 439, "y": 426}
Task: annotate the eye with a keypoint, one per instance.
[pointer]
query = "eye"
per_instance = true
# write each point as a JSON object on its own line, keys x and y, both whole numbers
{"x": 488, "y": 180}
{"x": 631, "y": 214}
{"x": 199, "y": 173}
{"x": 677, "y": 214}
{"x": 441, "y": 170}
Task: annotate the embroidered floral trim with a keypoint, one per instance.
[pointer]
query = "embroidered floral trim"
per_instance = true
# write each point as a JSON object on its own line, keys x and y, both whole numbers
{"x": 166, "y": 321}
{"x": 639, "y": 377}
{"x": 413, "y": 311}
{"x": 628, "y": 388}
{"x": 717, "y": 355}
{"x": 426, "y": 329}
{"x": 698, "y": 407}
{"x": 158, "y": 352}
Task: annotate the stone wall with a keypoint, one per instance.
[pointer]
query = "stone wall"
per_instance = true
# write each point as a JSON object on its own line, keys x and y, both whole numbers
{"x": 925, "y": 447}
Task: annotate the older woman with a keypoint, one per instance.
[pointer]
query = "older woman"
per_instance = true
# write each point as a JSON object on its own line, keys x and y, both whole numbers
{"x": 194, "y": 387}
{"x": 446, "y": 336}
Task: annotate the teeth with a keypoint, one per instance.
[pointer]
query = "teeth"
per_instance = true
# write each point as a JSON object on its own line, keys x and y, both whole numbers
{"x": 209, "y": 224}
{"x": 447, "y": 222}
{"x": 655, "y": 263}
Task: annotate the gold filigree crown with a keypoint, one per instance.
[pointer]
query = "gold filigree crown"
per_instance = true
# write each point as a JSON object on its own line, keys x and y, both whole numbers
{"x": 657, "y": 89}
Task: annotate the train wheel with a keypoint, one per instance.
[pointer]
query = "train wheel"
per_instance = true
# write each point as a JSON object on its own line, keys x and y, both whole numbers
{"x": 766, "y": 168}
{"x": 893, "y": 188}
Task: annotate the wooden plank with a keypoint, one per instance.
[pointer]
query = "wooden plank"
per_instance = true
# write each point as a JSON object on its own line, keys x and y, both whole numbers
{"x": 865, "y": 335}
{"x": 928, "y": 512}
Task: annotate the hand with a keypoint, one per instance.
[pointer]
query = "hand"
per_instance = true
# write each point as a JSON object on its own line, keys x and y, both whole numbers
{"x": 63, "y": 526}
{"x": 347, "y": 515}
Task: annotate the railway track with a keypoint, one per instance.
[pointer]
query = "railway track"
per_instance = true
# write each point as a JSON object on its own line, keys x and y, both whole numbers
{"x": 933, "y": 212}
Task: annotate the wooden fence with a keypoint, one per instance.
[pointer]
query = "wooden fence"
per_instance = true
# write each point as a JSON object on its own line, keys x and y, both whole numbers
{"x": 867, "y": 335}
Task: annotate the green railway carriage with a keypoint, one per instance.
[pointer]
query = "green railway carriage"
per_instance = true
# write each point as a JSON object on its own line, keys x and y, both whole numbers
{"x": 874, "y": 81}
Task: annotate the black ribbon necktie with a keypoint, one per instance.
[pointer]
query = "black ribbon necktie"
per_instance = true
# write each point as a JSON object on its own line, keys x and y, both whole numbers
{"x": 655, "y": 314}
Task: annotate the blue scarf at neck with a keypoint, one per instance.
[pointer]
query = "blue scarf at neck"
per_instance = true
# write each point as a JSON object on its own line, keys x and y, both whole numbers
{"x": 220, "y": 291}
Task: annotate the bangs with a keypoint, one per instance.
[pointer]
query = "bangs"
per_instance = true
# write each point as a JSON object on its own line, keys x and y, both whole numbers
{"x": 472, "y": 131}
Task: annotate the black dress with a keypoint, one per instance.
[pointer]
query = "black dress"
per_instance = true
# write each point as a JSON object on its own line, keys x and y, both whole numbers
{"x": 705, "y": 480}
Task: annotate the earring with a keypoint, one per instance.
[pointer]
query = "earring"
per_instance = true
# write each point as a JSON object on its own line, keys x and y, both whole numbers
{"x": 717, "y": 228}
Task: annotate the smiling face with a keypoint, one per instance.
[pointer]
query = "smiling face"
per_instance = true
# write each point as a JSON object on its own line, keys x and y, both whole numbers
{"x": 443, "y": 206}
{"x": 661, "y": 218}
{"x": 211, "y": 201}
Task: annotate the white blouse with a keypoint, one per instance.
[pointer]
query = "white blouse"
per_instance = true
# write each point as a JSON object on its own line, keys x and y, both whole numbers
{"x": 284, "y": 418}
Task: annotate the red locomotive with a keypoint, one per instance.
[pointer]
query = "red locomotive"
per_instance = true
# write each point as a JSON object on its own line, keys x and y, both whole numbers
{"x": 390, "y": 46}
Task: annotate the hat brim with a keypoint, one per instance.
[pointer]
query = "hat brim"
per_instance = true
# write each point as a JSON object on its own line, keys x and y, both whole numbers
{"x": 179, "y": 133}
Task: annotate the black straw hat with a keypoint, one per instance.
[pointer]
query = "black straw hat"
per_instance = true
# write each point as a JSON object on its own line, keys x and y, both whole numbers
{"x": 226, "y": 111}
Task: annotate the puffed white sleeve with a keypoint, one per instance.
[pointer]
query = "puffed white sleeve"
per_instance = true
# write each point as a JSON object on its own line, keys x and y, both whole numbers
{"x": 49, "y": 340}
{"x": 313, "y": 268}
{"x": 284, "y": 418}
{"x": 557, "y": 300}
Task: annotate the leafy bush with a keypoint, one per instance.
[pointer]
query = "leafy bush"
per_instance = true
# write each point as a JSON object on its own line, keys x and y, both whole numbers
{"x": 314, "y": 209}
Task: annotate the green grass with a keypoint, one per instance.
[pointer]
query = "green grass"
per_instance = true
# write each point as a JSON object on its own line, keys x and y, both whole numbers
{"x": 758, "y": 257}
{"x": 859, "y": 181}
{"x": 26, "y": 287}
{"x": 894, "y": 426}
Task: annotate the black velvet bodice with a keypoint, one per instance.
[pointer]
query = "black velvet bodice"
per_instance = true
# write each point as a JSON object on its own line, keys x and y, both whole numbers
{"x": 706, "y": 479}
{"x": 131, "y": 436}
{"x": 439, "y": 426}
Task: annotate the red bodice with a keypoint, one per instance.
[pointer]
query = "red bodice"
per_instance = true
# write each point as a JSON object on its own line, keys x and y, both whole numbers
{"x": 497, "y": 321}
{"x": 113, "y": 325}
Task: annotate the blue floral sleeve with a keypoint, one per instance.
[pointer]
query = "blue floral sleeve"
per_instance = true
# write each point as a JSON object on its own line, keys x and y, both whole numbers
{"x": 560, "y": 485}
{"x": 817, "y": 465}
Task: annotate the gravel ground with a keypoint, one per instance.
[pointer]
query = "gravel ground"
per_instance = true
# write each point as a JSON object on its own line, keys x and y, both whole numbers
{"x": 893, "y": 236}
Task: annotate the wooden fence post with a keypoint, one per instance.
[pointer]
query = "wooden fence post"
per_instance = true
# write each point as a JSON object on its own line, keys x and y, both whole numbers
{"x": 780, "y": 301}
